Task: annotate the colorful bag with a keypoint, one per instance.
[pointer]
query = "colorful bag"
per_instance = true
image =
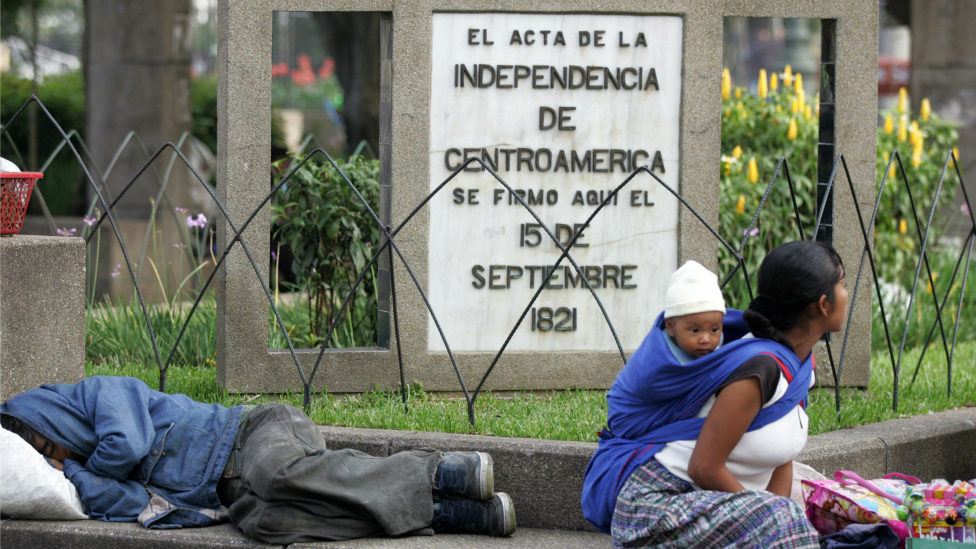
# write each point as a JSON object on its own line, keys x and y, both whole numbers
{"x": 849, "y": 499}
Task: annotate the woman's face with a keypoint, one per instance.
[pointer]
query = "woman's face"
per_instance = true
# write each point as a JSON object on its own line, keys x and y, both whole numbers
{"x": 837, "y": 311}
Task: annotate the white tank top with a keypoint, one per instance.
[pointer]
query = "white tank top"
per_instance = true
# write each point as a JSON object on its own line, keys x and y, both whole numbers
{"x": 758, "y": 453}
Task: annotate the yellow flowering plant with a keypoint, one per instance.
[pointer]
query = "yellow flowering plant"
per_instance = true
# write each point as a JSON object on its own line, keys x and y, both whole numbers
{"x": 786, "y": 124}
{"x": 923, "y": 144}
{"x": 757, "y": 131}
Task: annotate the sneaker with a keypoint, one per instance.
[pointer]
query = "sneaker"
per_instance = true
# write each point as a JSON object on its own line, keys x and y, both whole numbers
{"x": 466, "y": 474}
{"x": 495, "y": 517}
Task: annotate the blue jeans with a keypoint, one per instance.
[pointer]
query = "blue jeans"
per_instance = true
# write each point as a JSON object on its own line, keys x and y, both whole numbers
{"x": 294, "y": 490}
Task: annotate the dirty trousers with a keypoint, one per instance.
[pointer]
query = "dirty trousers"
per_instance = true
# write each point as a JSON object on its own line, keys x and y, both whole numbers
{"x": 292, "y": 489}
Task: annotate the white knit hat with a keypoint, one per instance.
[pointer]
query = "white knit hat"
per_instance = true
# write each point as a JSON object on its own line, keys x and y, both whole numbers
{"x": 693, "y": 289}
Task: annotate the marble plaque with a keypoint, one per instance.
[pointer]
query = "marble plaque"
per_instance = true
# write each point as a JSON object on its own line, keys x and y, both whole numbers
{"x": 563, "y": 108}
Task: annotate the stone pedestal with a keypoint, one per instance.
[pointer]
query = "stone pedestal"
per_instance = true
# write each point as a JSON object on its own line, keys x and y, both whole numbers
{"x": 416, "y": 73}
{"x": 42, "y": 312}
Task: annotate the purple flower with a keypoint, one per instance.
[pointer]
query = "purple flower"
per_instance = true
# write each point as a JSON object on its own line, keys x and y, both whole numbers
{"x": 274, "y": 255}
{"x": 964, "y": 209}
{"x": 64, "y": 231}
{"x": 200, "y": 221}
{"x": 370, "y": 243}
{"x": 181, "y": 210}
{"x": 753, "y": 232}
{"x": 90, "y": 220}
{"x": 115, "y": 272}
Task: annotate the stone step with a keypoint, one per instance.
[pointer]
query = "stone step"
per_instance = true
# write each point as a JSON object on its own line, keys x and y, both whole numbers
{"x": 91, "y": 534}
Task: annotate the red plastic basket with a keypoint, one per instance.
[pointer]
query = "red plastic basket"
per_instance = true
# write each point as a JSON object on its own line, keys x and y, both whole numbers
{"x": 15, "y": 192}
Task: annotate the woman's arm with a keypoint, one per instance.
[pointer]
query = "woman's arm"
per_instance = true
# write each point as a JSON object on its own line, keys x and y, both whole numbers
{"x": 782, "y": 482}
{"x": 735, "y": 408}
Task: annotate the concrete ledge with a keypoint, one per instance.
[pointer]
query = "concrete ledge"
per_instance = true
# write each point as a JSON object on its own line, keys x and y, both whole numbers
{"x": 545, "y": 478}
{"x": 936, "y": 445}
{"x": 524, "y": 538}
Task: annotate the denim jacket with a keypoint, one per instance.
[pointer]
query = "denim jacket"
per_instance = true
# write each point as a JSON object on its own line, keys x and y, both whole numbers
{"x": 150, "y": 456}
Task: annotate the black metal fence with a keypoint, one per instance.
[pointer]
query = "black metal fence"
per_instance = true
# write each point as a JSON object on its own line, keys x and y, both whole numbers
{"x": 867, "y": 268}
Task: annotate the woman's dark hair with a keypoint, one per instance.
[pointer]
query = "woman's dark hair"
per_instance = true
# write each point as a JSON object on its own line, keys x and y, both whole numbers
{"x": 791, "y": 277}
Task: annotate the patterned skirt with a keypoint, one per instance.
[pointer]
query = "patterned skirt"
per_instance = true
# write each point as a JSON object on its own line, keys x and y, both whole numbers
{"x": 657, "y": 509}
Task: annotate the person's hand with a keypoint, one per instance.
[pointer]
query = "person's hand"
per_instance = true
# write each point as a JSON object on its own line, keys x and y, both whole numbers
{"x": 56, "y": 464}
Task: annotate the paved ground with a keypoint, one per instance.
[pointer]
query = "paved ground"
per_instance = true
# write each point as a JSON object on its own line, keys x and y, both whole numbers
{"x": 544, "y": 478}
{"x": 101, "y": 535}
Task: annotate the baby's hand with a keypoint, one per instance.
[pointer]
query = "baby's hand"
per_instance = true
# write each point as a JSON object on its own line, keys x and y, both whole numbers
{"x": 56, "y": 464}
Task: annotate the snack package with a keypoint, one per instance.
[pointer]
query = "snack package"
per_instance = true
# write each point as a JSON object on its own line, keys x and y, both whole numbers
{"x": 941, "y": 511}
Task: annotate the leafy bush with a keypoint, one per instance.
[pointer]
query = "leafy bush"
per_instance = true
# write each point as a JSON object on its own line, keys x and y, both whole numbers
{"x": 922, "y": 144}
{"x": 331, "y": 235}
{"x": 64, "y": 98}
{"x": 116, "y": 333}
{"x": 923, "y": 315}
{"x": 758, "y": 130}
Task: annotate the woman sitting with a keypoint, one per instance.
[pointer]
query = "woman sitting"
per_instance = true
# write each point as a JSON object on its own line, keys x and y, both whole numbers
{"x": 700, "y": 454}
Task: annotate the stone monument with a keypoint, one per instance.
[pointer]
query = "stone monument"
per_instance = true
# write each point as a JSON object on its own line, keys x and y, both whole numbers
{"x": 563, "y": 100}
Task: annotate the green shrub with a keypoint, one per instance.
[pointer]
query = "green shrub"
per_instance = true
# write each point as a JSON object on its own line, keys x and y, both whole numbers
{"x": 64, "y": 98}
{"x": 116, "y": 333}
{"x": 756, "y": 132}
{"x": 897, "y": 244}
{"x": 331, "y": 235}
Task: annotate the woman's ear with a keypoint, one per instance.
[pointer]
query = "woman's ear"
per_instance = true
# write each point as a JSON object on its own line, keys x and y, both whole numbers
{"x": 823, "y": 306}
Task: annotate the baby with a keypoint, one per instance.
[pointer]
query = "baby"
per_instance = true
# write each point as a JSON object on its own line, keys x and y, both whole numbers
{"x": 693, "y": 312}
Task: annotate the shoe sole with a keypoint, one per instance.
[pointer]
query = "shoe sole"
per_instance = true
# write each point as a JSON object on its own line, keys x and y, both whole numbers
{"x": 508, "y": 514}
{"x": 486, "y": 477}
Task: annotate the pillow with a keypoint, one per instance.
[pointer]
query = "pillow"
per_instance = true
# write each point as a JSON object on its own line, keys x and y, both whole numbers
{"x": 30, "y": 488}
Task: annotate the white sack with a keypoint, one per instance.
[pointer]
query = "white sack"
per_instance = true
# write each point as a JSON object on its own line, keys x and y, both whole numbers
{"x": 30, "y": 488}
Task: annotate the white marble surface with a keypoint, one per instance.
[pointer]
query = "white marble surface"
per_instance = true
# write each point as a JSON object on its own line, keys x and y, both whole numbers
{"x": 465, "y": 235}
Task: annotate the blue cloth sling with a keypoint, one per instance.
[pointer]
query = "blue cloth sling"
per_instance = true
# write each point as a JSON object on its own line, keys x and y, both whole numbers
{"x": 655, "y": 398}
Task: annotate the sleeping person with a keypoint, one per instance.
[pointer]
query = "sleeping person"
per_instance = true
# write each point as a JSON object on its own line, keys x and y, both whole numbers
{"x": 168, "y": 461}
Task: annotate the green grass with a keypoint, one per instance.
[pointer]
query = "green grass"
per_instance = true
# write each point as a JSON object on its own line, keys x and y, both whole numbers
{"x": 927, "y": 395}
{"x": 576, "y": 414}
{"x": 116, "y": 333}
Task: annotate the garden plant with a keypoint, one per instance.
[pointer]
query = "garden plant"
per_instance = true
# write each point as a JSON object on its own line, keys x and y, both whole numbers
{"x": 330, "y": 235}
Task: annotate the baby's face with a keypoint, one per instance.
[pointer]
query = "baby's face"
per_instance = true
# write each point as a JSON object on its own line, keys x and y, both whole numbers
{"x": 696, "y": 334}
